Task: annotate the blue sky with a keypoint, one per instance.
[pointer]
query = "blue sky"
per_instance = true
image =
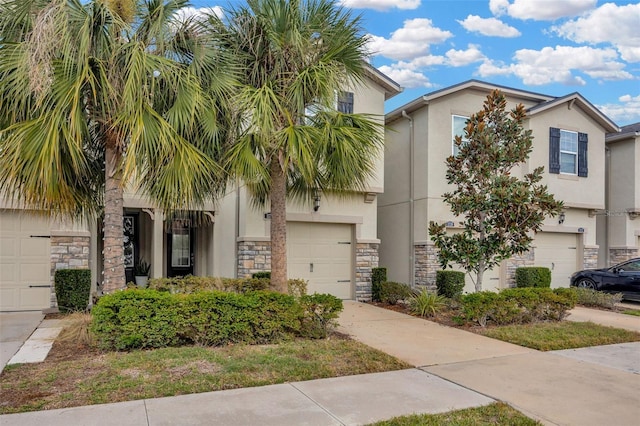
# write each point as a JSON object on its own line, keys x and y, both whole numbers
{"x": 555, "y": 47}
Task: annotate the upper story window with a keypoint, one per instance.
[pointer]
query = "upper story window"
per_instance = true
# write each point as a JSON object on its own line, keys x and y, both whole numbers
{"x": 458, "y": 124}
{"x": 568, "y": 152}
{"x": 345, "y": 102}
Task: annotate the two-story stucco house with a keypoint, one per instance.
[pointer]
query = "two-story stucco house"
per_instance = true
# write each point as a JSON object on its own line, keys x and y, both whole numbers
{"x": 619, "y": 223}
{"x": 569, "y": 141}
{"x": 333, "y": 243}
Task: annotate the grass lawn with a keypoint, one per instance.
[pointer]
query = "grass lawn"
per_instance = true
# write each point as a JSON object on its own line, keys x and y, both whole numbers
{"x": 74, "y": 376}
{"x": 561, "y": 335}
{"x": 634, "y": 312}
{"x": 494, "y": 414}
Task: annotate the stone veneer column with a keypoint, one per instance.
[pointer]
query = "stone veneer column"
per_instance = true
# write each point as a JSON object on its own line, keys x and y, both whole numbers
{"x": 426, "y": 265}
{"x": 590, "y": 257}
{"x": 253, "y": 256}
{"x": 367, "y": 258}
{"x": 69, "y": 250}
{"x": 620, "y": 254}
{"x": 517, "y": 261}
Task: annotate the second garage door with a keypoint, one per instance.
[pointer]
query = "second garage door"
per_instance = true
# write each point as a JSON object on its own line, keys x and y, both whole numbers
{"x": 321, "y": 253}
{"x": 25, "y": 261}
{"x": 559, "y": 253}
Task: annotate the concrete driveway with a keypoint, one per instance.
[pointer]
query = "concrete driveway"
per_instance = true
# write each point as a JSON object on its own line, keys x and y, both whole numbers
{"x": 15, "y": 329}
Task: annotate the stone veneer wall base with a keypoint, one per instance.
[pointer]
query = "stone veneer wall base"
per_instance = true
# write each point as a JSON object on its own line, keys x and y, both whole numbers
{"x": 253, "y": 256}
{"x": 367, "y": 258}
{"x": 617, "y": 255}
{"x": 68, "y": 252}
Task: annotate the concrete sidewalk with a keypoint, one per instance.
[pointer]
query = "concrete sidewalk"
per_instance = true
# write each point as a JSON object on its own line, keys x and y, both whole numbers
{"x": 588, "y": 386}
{"x": 15, "y": 329}
{"x": 608, "y": 318}
{"x": 351, "y": 400}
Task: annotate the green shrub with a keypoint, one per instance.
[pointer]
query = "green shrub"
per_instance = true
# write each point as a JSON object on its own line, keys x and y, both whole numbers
{"x": 152, "y": 319}
{"x": 72, "y": 287}
{"x": 191, "y": 284}
{"x": 517, "y": 305}
{"x": 320, "y": 312}
{"x": 533, "y": 276}
{"x": 378, "y": 276}
{"x": 137, "y": 319}
{"x": 426, "y": 304}
{"x": 450, "y": 283}
{"x": 590, "y": 297}
{"x": 392, "y": 292}
{"x": 261, "y": 274}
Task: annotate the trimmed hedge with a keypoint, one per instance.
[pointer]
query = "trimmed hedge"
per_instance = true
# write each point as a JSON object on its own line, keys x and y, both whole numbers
{"x": 72, "y": 287}
{"x": 533, "y": 276}
{"x": 392, "y": 292}
{"x": 450, "y": 283}
{"x": 143, "y": 318}
{"x": 378, "y": 276}
{"x": 192, "y": 284}
{"x": 261, "y": 274}
{"x": 590, "y": 297}
{"x": 518, "y": 305}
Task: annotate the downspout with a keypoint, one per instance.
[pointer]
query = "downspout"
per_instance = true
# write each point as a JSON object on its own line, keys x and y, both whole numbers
{"x": 412, "y": 262}
{"x": 237, "y": 228}
{"x": 607, "y": 205}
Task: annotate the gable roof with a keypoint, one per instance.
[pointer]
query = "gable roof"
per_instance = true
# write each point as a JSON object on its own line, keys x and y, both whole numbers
{"x": 469, "y": 84}
{"x": 573, "y": 99}
{"x": 544, "y": 102}
{"x": 391, "y": 88}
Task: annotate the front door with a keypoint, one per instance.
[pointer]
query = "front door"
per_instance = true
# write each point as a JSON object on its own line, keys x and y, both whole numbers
{"x": 180, "y": 243}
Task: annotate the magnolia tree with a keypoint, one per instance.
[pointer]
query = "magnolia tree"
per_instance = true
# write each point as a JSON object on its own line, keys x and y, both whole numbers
{"x": 500, "y": 212}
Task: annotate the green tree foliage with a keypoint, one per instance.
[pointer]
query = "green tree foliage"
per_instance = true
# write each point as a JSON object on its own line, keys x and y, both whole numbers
{"x": 96, "y": 95}
{"x": 297, "y": 56}
{"x": 500, "y": 212}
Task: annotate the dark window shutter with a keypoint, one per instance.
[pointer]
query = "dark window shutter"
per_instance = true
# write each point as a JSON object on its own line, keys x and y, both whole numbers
{"x": 345, "y": 102}
{"x": 554, "y": 150}
{"x": 583, "y": 140}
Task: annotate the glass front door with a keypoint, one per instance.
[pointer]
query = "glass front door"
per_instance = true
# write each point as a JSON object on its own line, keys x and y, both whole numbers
{"x": 180, "y": 249}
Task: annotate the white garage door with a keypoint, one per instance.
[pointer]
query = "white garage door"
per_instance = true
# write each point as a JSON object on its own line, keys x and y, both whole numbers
{"x": 559, "y": 253}
{"x": 321, "y": 253}
{"x": 24, "y": 262}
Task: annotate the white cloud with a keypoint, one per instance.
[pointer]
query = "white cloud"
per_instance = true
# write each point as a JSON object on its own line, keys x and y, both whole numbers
{"x": 627, "y": 111}
{"x": 410, "y": 41}
{"x": 406, "y": 77}
{"x": 489, "y": 27}
{"x": 381, "y": 4}
{"x": 556, "y": 65}
{"x": 540, "y": 10}
{"x": 610, "y": 23}
{"x": 461, "y": 58}
{"x": 189, "y": 12}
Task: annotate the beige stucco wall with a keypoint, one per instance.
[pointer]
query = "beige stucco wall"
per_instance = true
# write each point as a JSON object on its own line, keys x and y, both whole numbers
{"x": 624, "y": 192}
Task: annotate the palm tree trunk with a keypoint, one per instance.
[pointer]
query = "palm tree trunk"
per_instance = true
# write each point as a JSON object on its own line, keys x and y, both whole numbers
{"x": 278, "y": 198}
{"x": 114, "y": 276}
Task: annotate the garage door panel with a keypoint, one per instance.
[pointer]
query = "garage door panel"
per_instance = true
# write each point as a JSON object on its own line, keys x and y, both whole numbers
{"x": 25, "y": 262}
{"x": 321, "y": 253}
{"x": 559, "y": 253}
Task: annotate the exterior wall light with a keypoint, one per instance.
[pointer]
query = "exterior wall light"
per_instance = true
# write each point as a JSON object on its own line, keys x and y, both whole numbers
{"x": 316, "y": 200}
{"x": 561, "y": 218}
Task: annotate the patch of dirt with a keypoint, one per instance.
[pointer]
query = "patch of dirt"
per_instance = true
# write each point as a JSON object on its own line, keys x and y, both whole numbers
{"x": 200, "y": 366}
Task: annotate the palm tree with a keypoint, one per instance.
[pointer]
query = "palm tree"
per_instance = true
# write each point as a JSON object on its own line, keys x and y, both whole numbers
{"x": 296, "y": 56}
{"x": 96, "y": 95}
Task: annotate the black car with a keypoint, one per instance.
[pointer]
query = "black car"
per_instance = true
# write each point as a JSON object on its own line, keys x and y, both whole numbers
{"x": 622, "y": 278}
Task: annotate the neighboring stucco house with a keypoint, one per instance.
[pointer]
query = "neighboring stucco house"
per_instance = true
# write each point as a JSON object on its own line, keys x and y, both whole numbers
{"x": 332, "y": 244}
{"x": 569, "y": 141}
{"x": 619, "y": 222}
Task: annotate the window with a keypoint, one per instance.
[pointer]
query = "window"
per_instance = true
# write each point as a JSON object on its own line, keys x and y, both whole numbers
{"x": 568, "y": 152}
{"x": 180, "y": 248}
{"x": 345, "y": 102}
{"x": 458, "y": 124}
